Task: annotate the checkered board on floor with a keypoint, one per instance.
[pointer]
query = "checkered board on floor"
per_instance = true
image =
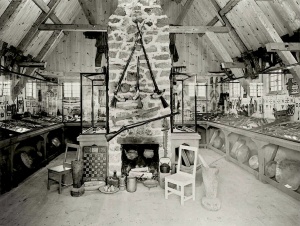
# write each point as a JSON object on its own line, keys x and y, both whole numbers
{"x": 95, "y": 163}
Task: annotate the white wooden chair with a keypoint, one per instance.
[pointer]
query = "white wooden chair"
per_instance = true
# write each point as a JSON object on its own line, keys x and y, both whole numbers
{"x": 62, "y": 170}
{"x": 182, "y": 179}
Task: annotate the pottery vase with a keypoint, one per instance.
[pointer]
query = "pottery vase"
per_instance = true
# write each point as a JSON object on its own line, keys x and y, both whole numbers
{"x": 77, "y": 173}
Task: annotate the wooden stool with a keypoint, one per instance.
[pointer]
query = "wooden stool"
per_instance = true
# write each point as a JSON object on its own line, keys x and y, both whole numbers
{"x": 62, "y": 170}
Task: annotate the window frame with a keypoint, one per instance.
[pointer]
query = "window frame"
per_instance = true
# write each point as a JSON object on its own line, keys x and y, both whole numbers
{"x": 5, "y": 88}
{"x": 279, "y": 82}
{"x": 33, "y": 93}
{"x": 71, "y": 86}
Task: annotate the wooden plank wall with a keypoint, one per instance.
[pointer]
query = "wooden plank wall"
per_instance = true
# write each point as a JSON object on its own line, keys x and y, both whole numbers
{"x": 74, "y": 53}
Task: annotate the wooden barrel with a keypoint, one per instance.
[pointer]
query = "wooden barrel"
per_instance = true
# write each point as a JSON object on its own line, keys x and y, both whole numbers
{"x": 243, "y": 154}
{"x": 218, "y": 142}
{"x": 288, "y": 173}
{"x": 237, "y": 144}
{"x": 27, "y": 155}
{"x": 270, "y": 169}
{"x": 253, "y": 162}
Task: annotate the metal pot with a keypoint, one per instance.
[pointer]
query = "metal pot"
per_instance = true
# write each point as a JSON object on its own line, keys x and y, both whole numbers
{"x": 164, "y": 166}
{"x": 131, "y": 184}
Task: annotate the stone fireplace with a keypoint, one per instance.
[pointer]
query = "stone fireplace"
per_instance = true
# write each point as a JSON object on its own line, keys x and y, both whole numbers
{"x": 122, "y": 30}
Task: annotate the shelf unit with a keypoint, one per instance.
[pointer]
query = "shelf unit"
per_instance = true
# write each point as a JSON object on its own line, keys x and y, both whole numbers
{"x": 261, "y": 140}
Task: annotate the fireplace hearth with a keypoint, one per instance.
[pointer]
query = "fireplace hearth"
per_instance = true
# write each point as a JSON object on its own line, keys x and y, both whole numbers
{"x": 140, "y": 158}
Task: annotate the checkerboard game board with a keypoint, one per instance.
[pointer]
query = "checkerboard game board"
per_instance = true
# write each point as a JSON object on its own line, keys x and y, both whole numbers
{"x": 94, "y": 163}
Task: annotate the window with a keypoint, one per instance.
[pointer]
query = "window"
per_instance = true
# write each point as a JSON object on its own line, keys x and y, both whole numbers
{"x": 275, "y": 82}
{"x": 4, "y": 88}
{"x": 259, "y": 89}
{"x": 30, "y": 89}
{"x": 236, "y": 89}
{"x": 256, "y": 89}
{"x": 72, "y": 89}
{"x": 201, "y": 90}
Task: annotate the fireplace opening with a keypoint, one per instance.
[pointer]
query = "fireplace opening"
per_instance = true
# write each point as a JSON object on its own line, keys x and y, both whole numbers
{"x": 140, "y": 160}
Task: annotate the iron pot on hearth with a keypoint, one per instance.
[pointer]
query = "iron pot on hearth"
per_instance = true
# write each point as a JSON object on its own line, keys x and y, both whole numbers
{"x": 164, "y": 166}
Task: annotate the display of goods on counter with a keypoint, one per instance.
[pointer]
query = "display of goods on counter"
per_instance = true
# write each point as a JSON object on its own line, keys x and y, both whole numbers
{"x": 71, "y": 119}
{"x": 18, "y": 126}
{"x": 92, "y": 130}
{"x": 241, "y": 121}
{"x": 287, "y": 130}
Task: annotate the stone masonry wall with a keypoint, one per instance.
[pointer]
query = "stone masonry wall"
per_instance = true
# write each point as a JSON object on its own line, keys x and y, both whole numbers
{"x": 122, "y": 32}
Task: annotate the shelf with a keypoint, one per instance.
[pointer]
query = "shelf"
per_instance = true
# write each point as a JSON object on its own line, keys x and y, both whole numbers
{"x": 260, "y": 140}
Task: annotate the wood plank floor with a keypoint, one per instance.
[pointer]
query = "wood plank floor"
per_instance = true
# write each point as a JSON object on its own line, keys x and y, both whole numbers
{"x": 245, "y": 201}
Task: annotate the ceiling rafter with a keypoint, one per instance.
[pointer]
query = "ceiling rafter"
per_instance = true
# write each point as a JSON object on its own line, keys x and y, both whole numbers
{"x": 229, "y": 6}
{"x": 223, "y": 56}
{"x": 32, "y": 33}
{"x": 233, "y": 34}
{"x": 87, "y": 12}
{"x": 11, "y": 10}
{"x": 273, "y": 36}
{"x": 45, "y": 8}
{"x": 184, "y": 11}
{"x": 73, "y": 27}
{"x": 45, "y": 51}
{"x": 102, "y": 28}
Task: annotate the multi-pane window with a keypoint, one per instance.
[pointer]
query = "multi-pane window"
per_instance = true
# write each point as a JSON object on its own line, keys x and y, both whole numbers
{"x": 30, "y": 89}
{"x": 4, "y": 88}
{"x": 72, "y": 89}
{"x": 259, "y": 89}
{"x": 256, "y": 89}
{"x": 236, "y": 89}
{"x": 275, "y": 82}
{"x": 201, "y": 90}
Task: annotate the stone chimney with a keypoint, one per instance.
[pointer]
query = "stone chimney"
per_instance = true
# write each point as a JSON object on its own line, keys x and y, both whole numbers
{"x": 122, "y": 32}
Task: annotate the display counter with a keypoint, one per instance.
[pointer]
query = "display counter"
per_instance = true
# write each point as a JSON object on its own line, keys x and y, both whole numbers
{"x": 25, "y": 146}
{"x": 260, "y": 152}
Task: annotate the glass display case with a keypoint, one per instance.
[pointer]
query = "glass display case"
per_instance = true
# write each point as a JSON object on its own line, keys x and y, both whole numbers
{"x": 183, "y": 100}
{"x": 273, "y": 115}
{"x": 94, "y": 111}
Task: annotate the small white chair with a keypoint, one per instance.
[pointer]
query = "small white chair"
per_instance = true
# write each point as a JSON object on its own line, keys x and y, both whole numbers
{"x": 182, "y": 179}
{"x": 62, "y": 170}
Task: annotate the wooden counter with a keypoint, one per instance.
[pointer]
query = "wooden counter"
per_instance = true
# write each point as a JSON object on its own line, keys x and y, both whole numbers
{"x": 261, "y": 140}
{"x": 11, "y": 144}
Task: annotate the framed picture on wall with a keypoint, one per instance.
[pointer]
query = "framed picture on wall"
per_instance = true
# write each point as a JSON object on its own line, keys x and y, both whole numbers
{"x": 28, "y": 104}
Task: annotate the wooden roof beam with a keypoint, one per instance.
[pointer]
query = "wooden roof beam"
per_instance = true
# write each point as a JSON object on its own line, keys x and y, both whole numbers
{"x": 10, "y": 12}
{"x": 45, "y": 51}
{"x": 73, "y": 27}
{"x": 32, "y": 33}
{"x": 87, "y": 12}
{"x": 184, "y": 11}
{"x": 273, "y": 36}
{"x": 44, "y": 7}
{"x": 49, "y": 46}
{"x": 229, "y": 6}
{"x": 98, "y": 27}
{"x": 233, "y": 65}
{"x": 33, "y": 64}
{"x": 197, "y": 29}
{"x": 276, "y": 46}
{"x": 223, "y": 56}
{"x": 233, "y": 34}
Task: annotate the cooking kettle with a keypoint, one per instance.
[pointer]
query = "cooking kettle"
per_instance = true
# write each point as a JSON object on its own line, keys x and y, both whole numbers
{"x": 165, "y": 165}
